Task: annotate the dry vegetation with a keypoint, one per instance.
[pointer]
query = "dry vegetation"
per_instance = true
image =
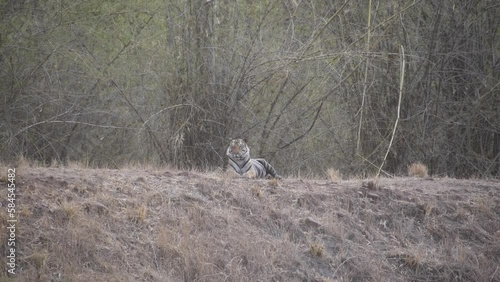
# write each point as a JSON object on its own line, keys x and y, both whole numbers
{"x": 418, "y": 169}
{"x": 334, "y": 174}
{"x": 144, "y": 224}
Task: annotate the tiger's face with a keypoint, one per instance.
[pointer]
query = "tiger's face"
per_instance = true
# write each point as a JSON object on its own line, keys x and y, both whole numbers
{"x": 238, "y": 149}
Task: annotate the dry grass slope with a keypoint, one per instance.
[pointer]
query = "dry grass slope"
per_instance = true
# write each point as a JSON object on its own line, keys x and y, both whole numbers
{"x": 144, "y": 224}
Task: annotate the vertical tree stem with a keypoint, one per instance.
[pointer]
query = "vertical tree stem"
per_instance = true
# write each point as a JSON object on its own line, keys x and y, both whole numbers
{"x": 368, "y": 37}
{"x": 401, "y": 83}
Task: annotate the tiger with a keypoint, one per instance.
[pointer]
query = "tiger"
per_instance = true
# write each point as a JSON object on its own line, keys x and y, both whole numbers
{"x": 238, "y": 153}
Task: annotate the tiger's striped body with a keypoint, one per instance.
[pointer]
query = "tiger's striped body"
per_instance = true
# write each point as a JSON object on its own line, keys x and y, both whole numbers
{"x": 238, "y": 153}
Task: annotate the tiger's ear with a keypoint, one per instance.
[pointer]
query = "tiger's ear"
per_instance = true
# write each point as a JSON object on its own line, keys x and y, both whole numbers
{"x": 245, "y": 140}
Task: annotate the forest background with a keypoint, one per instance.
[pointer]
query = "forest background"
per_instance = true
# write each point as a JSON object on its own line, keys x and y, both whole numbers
{"x": 313, "y": 85}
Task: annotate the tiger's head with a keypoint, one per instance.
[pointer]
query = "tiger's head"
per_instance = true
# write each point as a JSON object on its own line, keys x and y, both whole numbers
{"x": 238, "y": 150}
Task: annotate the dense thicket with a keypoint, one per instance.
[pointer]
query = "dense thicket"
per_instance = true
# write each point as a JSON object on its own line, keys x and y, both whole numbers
{"x": 311, "y": 84}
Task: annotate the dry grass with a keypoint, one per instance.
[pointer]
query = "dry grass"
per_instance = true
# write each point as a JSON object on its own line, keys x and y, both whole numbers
{"x": 370, "y": 185}
{"x": 25, "y": 211}
{"x": 79, "y": 165}
{"x": 334, "y": 174}
{"x": 22, "y": 162}
{"x": 70, "y": 210}
{"x": 257, "y": 192}
{"x": 274, "y": 182}
{"x": 428, "y": 208}
{"x": 137, "y": 214}
{"x": 418, "y": 169}
{"x": 317, "y": 249}
{"x": 38, "y": 258}
{"x": 414, "y": 259}
{"x": 163, "y": 225}
{"x": 484, "y": 205}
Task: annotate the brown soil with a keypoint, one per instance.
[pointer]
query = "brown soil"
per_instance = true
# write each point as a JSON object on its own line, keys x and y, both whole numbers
{"x": 153, "y": 225}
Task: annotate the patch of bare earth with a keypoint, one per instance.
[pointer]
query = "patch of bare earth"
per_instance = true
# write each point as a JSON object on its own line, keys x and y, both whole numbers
{"x": 149, "y": 225}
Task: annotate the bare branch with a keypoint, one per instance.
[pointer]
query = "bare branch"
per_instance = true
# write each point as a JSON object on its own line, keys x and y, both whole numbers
{"x": 401, "y": 83}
